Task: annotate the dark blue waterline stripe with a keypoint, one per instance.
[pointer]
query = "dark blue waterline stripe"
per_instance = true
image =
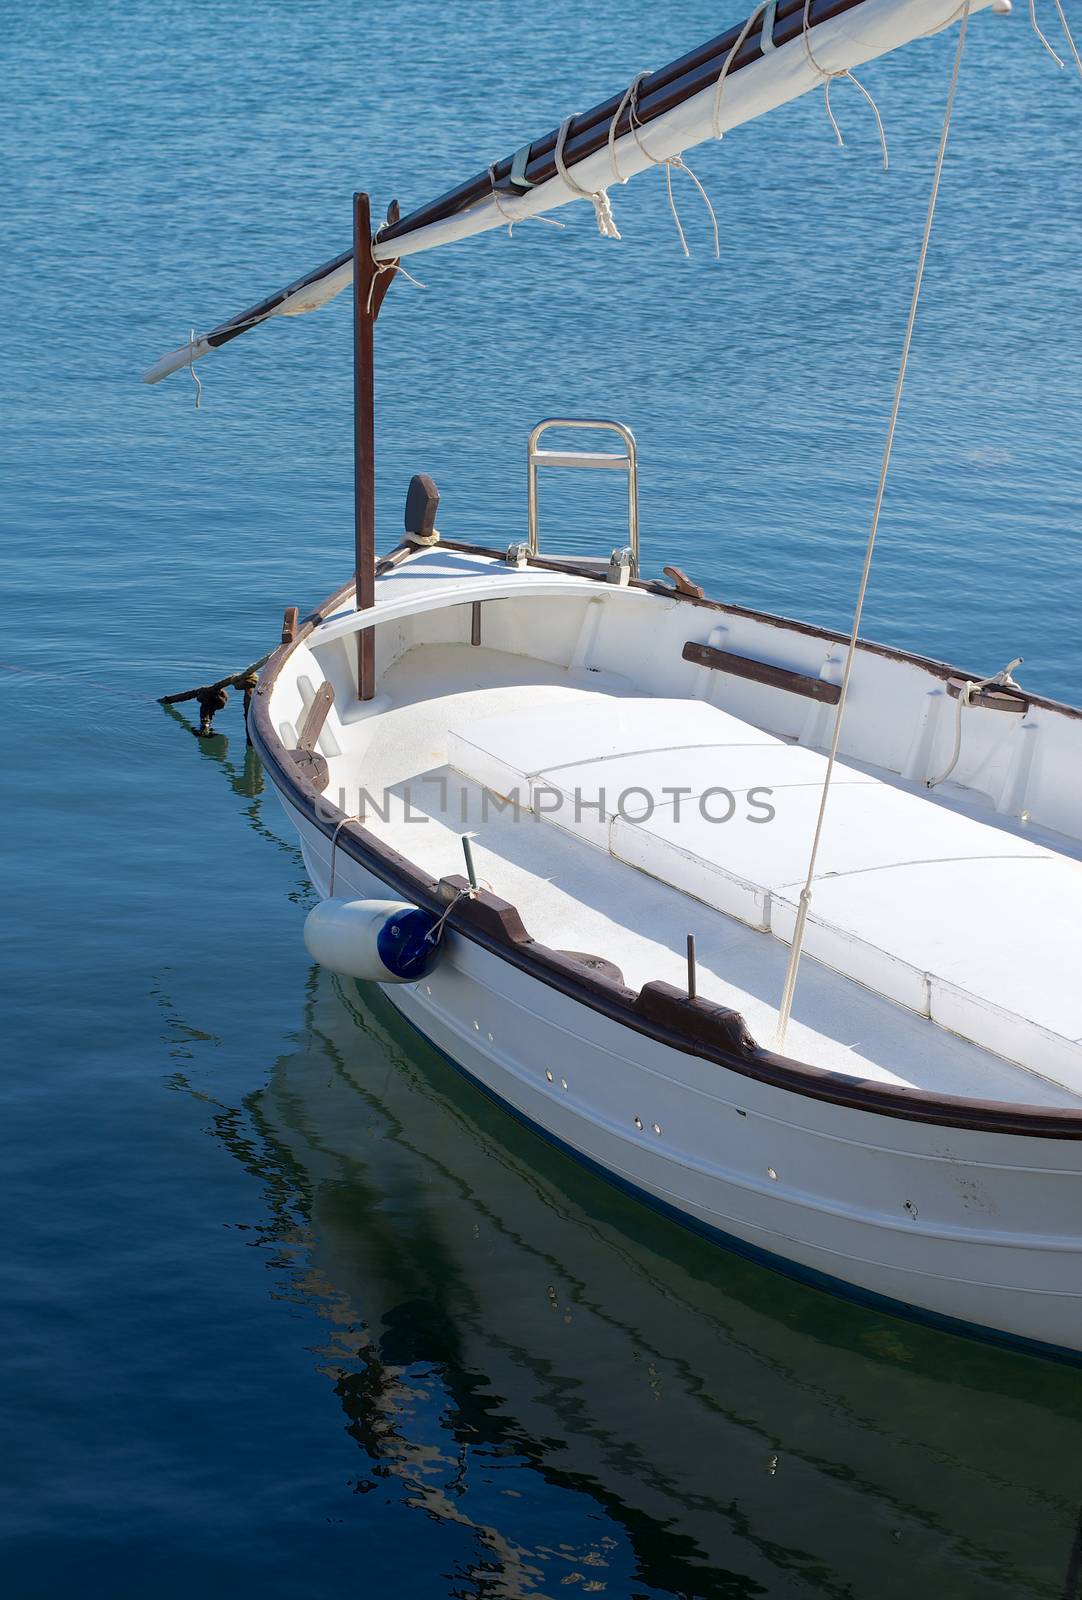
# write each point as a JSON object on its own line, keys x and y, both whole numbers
{"x": 810, "y": 1276}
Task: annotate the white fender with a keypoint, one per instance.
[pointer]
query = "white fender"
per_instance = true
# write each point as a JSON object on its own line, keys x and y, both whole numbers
{"x": 380, "y": 941}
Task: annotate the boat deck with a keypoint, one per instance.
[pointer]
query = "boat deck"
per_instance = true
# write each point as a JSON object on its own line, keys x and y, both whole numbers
{"x": 517, "y": 752}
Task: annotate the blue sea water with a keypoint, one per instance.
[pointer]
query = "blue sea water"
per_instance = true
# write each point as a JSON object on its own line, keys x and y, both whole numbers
{"x": 285, "y": 1307}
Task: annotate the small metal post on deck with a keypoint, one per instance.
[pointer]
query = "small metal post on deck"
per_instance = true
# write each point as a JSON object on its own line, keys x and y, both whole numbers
{"x": 691, "y": 966}
{"x": 471, "y": 870}
{"x": 364, "y": 438}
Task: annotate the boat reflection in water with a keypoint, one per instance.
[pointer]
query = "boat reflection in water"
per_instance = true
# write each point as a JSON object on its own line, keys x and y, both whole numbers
{"x": 731, "y": 1433}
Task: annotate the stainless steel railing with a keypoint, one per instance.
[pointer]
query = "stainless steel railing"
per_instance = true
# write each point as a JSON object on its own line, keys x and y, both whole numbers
{"x": 596, "y": 459}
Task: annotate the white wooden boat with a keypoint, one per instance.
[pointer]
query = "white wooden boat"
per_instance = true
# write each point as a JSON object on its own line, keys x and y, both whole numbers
{"x": 633, "y": 763}
{"x": 737, "y": 1425}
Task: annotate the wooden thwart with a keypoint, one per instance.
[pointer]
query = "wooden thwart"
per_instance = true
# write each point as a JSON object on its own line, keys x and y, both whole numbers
{"x": 315, "y": 717}
{"x": 705, "y": 655}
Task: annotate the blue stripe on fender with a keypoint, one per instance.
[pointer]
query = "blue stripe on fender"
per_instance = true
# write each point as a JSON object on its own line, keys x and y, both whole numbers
{"x": 403, "y": 944}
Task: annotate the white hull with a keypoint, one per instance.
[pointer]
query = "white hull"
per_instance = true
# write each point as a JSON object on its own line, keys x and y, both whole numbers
{"x": 739, "y": 1420}
{"x": 978, "y": 1228}
{"x": 925, "y": 1157}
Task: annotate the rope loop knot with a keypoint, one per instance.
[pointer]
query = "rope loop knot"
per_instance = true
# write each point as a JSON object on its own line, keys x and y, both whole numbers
{"x": 606, "y": 222}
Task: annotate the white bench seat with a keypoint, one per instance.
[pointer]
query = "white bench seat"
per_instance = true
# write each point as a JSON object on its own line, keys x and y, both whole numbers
{"x": 950, "y": 916}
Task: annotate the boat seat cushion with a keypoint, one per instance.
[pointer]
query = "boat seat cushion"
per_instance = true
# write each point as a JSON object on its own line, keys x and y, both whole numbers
{"x": 970, "y": 924}
{"x": 508, "y": 753}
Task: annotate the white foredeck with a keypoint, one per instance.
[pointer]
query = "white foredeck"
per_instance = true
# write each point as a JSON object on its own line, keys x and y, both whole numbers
{"x": 632, "y": 890}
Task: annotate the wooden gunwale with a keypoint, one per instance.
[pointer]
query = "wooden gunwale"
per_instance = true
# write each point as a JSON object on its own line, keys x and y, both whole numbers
{"x": 593, "y": 990}
{"x": 939, "y": 669}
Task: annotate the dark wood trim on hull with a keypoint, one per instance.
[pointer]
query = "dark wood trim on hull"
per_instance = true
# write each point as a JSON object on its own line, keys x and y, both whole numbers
{"x": 693, "y": 1027}
{"x": 1020, "y": 699}
{"x": 802, "y": 683}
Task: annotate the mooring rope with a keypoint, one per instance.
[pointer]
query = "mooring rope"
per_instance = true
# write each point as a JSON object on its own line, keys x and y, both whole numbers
{"x": 785, "y": 1008}
{"x": 965, "y": 698}
{"x": 334, "y": 850}
{"x": 435, "y": 933}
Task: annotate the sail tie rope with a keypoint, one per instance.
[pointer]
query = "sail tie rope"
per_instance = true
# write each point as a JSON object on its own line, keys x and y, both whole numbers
{"x": 634, "y": 122}
{"x": 1069, "y": 35}
{"x": 785, "y": 1008}
{"x": 825, "y": 74}
{"x": 606, "y": 222}
{"x": 630, "y": 98}
{"x": 394, "y": 265}
{"x": 1066, "y": 30}
{"x": 1035, "y": 25}
{"x": 826, "y": 77}
{"x": 729, "y": 59}
{"x": 537, "y": 216}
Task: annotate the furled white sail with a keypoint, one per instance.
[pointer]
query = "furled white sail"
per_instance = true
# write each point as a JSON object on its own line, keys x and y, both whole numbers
{"x": 832, "y": 48}
{"x": 783, "y": 72}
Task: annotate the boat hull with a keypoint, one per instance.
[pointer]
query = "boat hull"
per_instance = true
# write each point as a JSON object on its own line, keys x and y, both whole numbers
{"x": 974, "y": 1228}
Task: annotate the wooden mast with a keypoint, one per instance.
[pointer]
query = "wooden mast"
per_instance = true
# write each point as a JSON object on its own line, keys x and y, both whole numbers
{"x": 370, "y": 284}
{"x": 364, "y": 438}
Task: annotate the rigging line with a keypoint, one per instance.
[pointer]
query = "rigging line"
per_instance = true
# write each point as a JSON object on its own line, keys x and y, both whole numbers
{"x": 786, "y": 1006}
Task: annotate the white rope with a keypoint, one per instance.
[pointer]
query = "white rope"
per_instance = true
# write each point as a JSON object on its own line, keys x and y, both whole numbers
{"x": 826, "y": 75}
{"x": 1069, "y": 35}
{"x": 1037, "y": 30}
{"x": 334, "y": 849}
{"x": 668, "y": 162}
{"x": 729, "y": 59}
{"x": 786, "y": 1006}
{"x": 394, "y": 265}
{"x": 506, "y": 215}
{"x": 631, "y": 95}
{"x": 606, "y": 222}
{"x": 965, "y": 696}
{"x": 435, "y": 933}
{"x": 191, "y": 369}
